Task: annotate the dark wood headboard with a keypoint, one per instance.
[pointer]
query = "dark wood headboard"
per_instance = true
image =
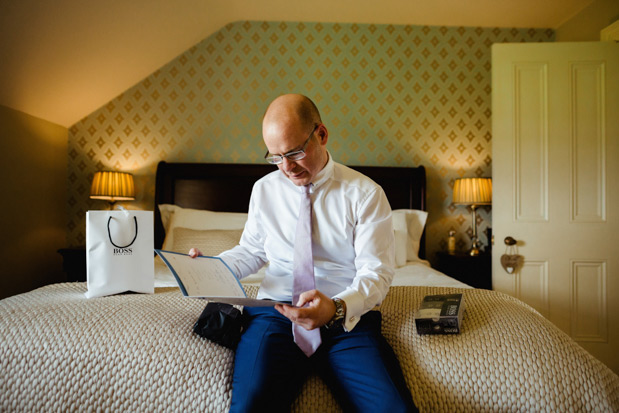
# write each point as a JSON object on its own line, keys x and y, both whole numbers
{"x": 227, "y": 187}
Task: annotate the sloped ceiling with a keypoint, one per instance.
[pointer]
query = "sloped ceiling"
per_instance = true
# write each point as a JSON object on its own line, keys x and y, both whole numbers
{"x": 61, "y": 60}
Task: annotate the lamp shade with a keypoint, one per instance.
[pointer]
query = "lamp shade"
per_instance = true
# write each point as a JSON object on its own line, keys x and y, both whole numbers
{"x": 473, "y": 191}
{"x": 112, "y": 186}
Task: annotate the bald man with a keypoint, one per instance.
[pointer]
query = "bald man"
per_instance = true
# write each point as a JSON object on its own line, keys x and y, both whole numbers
{"x": 353, "y": 254}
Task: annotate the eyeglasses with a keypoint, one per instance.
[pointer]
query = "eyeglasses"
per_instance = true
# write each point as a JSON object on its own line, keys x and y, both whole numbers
{"x": 292, "y": 156}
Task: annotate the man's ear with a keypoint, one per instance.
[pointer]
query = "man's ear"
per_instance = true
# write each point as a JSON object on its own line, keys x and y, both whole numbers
{"x": 323, "y": 133}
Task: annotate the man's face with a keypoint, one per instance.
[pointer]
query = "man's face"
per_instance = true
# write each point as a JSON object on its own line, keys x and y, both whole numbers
{"x": 281, "y": 140}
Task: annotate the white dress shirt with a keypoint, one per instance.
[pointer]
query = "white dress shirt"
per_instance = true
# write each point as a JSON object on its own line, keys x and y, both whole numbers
{"x": 352, "y": 236}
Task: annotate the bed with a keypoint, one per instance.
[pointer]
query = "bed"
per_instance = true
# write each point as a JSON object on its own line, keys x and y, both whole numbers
{"x": 136, "y": 352}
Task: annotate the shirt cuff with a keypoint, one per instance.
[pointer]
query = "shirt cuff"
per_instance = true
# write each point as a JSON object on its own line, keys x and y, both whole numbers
{"x": 354, "y": 308}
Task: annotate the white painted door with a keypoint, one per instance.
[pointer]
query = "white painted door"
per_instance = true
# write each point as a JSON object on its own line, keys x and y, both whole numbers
{"x": 555, "y": 146}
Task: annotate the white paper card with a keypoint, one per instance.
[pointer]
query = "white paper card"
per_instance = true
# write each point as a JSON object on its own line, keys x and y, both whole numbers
{"x": 209, "y": 278}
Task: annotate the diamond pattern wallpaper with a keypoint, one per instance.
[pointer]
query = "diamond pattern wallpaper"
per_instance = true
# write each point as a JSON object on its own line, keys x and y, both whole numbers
{"x": 392, "y": 95}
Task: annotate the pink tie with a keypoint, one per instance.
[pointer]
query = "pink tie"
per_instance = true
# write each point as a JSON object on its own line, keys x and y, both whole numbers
{"x": 303, "y": 273}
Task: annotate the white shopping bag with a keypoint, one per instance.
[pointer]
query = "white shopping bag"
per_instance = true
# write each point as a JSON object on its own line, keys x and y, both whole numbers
{"x": 119, "y": 252}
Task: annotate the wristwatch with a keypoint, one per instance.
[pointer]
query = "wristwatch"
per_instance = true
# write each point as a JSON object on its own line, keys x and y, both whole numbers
{"x": 338, "y": 317}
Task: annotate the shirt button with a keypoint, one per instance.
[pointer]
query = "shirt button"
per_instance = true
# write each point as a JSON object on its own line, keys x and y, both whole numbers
{"x": 351, "y": 319}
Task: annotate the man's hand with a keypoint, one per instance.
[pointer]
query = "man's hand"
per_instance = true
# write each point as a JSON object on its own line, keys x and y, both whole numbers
{"x": 194, "y": 252}
{"x": 319, "y": 311}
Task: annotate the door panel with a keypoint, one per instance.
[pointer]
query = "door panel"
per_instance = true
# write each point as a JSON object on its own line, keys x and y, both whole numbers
{"x": 531, "y": 141}
{"x": 555, "y": 182}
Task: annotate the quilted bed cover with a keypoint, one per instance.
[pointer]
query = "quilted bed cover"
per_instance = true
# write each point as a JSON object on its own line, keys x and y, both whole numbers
{"x": 136, "y": 352}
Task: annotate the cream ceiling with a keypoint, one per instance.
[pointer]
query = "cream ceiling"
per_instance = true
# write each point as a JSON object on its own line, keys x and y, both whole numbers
{"x": 61, "y": 60}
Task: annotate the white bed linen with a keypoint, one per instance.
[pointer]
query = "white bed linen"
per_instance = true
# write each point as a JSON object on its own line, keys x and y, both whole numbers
{"x": 62, "y": 352}
{"x": 414, "y": 273}
{"x": 419, "y": 273}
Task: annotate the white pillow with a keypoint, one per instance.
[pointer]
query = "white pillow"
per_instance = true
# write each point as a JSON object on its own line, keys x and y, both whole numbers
{"x": 166, "y": 211}
{"x": 401, "y": 239}
{"x": 410, "y": 222}
{"x": 163, "y": 275}
{"x": 210, "y": 242}
{"x": 198, "y": 220}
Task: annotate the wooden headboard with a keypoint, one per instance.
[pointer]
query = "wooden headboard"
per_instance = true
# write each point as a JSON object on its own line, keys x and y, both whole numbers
{"x": 227, "y": 187}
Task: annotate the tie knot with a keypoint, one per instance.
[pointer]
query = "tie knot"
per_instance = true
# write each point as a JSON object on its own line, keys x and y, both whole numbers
{"x": 306, "y": 188}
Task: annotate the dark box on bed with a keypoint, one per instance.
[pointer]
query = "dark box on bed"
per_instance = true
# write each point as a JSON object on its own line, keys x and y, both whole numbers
{"x": 440, "y": 314}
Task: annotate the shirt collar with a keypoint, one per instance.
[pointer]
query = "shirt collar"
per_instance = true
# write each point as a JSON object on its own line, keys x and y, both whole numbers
{"x": 321, "y": 177}
{"x": 324, "y": 175}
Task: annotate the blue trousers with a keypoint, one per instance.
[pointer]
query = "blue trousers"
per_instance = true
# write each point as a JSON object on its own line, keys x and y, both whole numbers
{"x": 359, "y": 366}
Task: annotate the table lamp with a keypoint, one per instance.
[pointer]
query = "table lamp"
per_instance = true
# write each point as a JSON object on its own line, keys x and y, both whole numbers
{"x": 473, "y": 192}
{"x": 112, "y": 186}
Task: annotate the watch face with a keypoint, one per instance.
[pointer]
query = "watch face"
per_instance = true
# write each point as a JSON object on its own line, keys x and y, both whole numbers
{"x": 339, "y": 309}
{"x": 339, "y": 314}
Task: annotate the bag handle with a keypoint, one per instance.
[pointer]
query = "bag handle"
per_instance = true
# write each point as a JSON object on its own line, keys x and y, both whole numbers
{"x": 109, "y": 234}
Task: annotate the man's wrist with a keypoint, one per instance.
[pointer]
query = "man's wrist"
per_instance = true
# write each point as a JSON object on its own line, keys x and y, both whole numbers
{"x": 340, "y": 313}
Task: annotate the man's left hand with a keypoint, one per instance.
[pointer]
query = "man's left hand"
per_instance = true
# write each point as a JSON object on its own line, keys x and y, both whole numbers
{"x": 319, "y": 311}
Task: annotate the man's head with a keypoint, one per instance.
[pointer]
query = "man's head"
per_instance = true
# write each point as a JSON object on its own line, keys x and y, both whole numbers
{"x": 292, "y": 123}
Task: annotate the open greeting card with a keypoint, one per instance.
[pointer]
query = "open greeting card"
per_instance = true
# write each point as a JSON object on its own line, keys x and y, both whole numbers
{"x": 208, "y": 278}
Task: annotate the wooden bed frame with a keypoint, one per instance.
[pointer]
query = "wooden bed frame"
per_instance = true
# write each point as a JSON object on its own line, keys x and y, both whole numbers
{"x": 201, "y": 186}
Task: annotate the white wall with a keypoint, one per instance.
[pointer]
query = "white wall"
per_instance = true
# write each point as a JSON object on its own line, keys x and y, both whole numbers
{"x": 33, "y": 171}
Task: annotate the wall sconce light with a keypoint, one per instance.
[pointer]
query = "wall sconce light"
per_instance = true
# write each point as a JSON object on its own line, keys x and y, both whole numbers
{"x": 473, "y": 192}
{"x": 112, "y": 187}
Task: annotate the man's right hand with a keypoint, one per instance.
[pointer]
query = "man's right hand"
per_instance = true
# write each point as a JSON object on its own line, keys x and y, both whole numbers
{"x": 194, "y": 252}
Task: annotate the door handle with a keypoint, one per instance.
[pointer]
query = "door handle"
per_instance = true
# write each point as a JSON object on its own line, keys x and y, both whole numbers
{"x": 509, "y": 241}
{"x": 511, "y": 260}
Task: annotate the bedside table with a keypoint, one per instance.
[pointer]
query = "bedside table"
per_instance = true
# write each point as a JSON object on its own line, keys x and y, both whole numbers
{"x": 74, "y": 263}
{"x": 475, "y": 271}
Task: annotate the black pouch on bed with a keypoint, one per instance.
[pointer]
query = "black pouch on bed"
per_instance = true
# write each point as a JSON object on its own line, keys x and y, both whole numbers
{"x": 221, "y": 323}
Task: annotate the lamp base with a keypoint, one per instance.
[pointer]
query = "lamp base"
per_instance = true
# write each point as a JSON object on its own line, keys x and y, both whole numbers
{"x": 475, "y": 248}
{"x": 475, "y": 245}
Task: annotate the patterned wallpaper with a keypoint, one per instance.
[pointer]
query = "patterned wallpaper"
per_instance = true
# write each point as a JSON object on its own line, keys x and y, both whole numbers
{"x": 393, "y": 95}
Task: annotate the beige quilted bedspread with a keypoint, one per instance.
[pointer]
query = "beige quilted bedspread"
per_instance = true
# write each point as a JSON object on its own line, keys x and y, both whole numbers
{"x": 136, "y": 352}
